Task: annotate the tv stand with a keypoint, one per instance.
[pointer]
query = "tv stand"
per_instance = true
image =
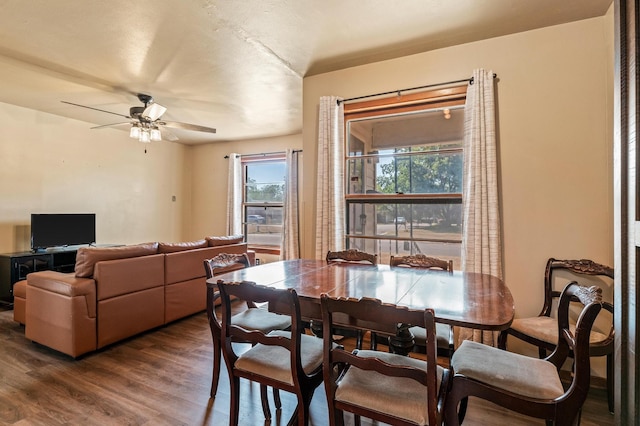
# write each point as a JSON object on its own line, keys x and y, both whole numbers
{"x": 15, "y": 267}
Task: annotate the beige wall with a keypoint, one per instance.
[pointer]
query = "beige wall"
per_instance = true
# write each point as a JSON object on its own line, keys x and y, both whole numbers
{"x": 554, "y": 115}
{"x": 50, "y": 164}
{"x": 209, "y": 171}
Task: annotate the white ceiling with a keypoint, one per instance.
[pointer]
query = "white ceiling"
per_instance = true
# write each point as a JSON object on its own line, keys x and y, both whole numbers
{"x": 236, "y": 65}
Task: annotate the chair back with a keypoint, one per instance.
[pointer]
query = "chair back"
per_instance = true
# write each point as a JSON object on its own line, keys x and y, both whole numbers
{"x": 371, "y": 314}
{"x": 584, "y": 267}
{"x": 422, "y": 261}
{"x": 576, "y": 342}
{"x": 577, "y": 267}
{"x": 282, "y": 301}
{"x": 223, "y": 262}
{"x": 352, "y": 256}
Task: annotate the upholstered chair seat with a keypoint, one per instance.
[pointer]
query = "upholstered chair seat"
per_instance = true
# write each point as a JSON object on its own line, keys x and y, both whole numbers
{"x": 519, "y": 374}
{"x": 443, "y": 332}
{"x": 396, "y": 396}
{"x": 546, "y": 329}
{"x": 261, "y": 319}
{"x": 274, "y": 361}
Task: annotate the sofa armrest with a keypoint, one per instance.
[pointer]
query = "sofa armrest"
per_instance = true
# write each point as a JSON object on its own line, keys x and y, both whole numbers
{"x": 66, "y": 285}
{"x": 61, "y": 312}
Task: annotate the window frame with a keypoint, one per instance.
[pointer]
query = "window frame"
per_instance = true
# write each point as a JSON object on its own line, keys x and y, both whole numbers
{"x": 441, "y": 98}
{"x": 246, "y": 161}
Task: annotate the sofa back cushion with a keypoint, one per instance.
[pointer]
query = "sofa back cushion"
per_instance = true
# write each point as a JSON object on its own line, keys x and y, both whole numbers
{"x": 225, "y": 240}
{"x": 119, "y": 277}
{"x": 174, "y": 247}
{"x": 188, "y": 265}
{"x": 87, "y": 257}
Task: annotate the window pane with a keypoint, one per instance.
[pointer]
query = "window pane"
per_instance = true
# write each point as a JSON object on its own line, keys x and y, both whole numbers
{"x": 387, "y": 248}
{"x": 263, "y": 225}
{"x": 429, "y": 173}
{"x": 265, "y": 182}
{"x": 433, "y": 221}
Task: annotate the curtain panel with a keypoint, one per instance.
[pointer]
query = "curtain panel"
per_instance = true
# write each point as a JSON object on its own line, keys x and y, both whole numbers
{"x": 290, "y": 245}
{"x": 234, "y": 195}
{"x": 330, "y": 216}
{"x": 481, "y": 240}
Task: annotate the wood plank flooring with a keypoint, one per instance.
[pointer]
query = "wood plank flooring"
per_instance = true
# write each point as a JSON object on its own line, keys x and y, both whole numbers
{"x": 163, "y": 378}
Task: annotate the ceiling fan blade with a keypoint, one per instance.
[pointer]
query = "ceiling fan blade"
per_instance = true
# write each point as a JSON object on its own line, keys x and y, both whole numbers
{"x": 169, "y": 136}
{"x": 112, "y": 125}
{"x": 186, "y": 126}
{"x": 95, "y": 109}
{"x": 153, "y": 111}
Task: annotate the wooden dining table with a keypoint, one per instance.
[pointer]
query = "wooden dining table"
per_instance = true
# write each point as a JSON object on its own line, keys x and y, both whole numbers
{"x": 465, "y": 299}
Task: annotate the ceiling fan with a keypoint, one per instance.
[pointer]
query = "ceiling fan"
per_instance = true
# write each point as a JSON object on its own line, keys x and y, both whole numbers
{"x": 146, "y": 121}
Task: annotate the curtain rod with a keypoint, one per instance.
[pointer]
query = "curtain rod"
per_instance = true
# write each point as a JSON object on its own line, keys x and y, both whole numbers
{"x": 264, "y": 154}
{"x": 469, "y": 80}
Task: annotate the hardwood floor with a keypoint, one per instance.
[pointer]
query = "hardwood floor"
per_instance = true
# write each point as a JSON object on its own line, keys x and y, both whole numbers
{"x": 162, "y": 378}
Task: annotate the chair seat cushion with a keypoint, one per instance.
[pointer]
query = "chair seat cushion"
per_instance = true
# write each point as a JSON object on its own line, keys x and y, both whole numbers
{"x": 397, "y": 396}
{"x": 275, "y": 361}
{"x": 522, "y": 375}
{"x": 546, "y": 329}
{"x": 442, "y": 335}
{"x": 261, "y": 319}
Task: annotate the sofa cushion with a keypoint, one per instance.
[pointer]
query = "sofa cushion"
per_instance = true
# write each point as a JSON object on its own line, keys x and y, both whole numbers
{"x": 87, "y": 257}
{"x": 120, "y": 277}
{"x": 173, "y": 247}
{"x": 189, "y": 264}
{"x": 225, "y": 240}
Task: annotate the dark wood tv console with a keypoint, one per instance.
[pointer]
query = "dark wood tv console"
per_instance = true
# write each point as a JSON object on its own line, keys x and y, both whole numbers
{"x": 15, "y": 267}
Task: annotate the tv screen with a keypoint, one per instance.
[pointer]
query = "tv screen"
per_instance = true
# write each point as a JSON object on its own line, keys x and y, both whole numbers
{"x": 67, "y": 229}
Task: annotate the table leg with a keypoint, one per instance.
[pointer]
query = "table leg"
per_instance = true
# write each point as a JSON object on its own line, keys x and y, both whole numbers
{"x": 316, "y": 328}
{"x": 402, "y": 343}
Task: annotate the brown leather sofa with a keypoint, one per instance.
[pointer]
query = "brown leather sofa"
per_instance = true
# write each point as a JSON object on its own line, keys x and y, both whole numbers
{"x": 118, "y": 292}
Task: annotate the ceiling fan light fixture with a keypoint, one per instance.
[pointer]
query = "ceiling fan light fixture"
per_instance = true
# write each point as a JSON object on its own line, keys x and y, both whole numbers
{"x": 134, "y": 132}
{"x": 145, "y": 137}
{"x": 155, "y": 135}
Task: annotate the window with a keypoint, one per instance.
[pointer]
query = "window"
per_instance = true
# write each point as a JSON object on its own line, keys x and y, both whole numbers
{"x": 403, "y": 174}
{"x": 264, "y": 180}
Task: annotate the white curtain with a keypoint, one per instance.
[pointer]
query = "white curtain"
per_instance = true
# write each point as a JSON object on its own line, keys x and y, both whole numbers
{"x": 481, "y": 241}
{"x": 290, "y": 246}
{"x": 234, "y": 195}
{"x": 330, "y": 181}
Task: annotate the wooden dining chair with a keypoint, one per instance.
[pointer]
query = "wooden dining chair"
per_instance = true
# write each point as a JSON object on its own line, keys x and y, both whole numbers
{"x": 352, "y": 256}
{"x": 444, "y": 332}
{"x": 386, "y": 387}
{"x": 542, "y": 330}
{"x": 253, "y": 317}
{"x": 285, "y": 360}
{"x": 530, "y": 386}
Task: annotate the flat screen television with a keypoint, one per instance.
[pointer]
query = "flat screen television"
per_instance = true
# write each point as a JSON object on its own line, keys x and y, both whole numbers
{"x": 62, "y": 229}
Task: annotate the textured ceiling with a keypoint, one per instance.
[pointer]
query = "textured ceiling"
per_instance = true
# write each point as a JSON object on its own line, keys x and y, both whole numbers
{"x": 233, "y": 65}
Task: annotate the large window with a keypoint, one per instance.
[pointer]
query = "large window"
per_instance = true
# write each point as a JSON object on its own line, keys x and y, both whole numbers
{"x": 264, "y": 185}
{"x": 404, "y": 175}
